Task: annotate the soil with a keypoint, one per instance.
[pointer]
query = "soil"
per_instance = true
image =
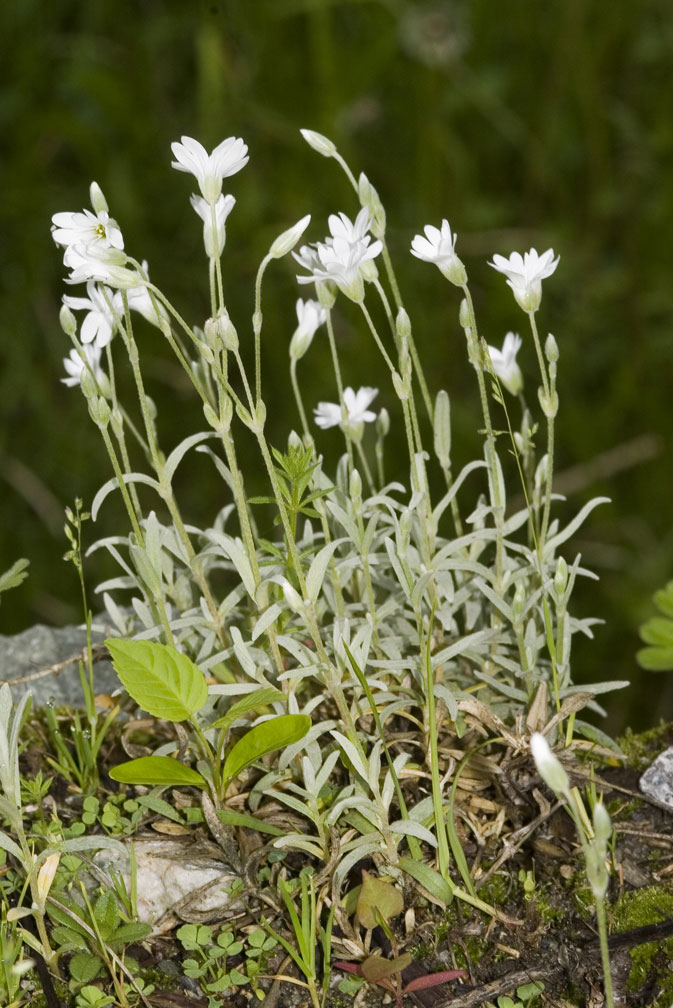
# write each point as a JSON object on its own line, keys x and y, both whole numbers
{"x": 524, "y": 859}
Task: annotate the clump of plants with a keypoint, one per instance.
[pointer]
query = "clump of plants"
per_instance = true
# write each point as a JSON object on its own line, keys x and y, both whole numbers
{"x": 327, "y": 659}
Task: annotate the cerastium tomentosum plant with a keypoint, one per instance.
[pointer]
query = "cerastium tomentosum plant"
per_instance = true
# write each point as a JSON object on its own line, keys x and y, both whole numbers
{"x": 374, "y": 604}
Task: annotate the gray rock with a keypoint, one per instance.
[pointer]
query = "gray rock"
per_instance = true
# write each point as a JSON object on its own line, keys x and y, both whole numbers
{"x": 657, "y": 781}
{"x": 45, "y": 659}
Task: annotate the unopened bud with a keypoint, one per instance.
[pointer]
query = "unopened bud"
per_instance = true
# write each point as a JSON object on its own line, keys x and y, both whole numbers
{"x": 383, "y": 422}
{"x": 369, "y": 198}
{"x": 355, "y": 488}
{"x": 464, "y": 317}
{"x": 551, "y": 349}
{"x": 548, "y": 766}
{"x": 68, "y": 321}
{"x": 98, "y": 201}
{"x": 45, "y": 877}
{"x": 286, "y": 241}
{"x": 319, "y": 143}
{"x": 441, "y": 421}
{"x": 560, "y": 577}
{"x": 403, "y": 324}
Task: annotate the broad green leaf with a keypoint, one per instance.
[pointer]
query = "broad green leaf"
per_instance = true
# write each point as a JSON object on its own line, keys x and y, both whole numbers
{"x": 277, "y": 733}
{"x": 84, "y": 967}
{"x": 656, "y": 659}
{"x": 250, "y": 702}
{"x": 162, "y": 681}
{"x": 376, "y": 968}
{"x": 134, "y": 931}
{"x": 377, "y": 899}
{"x": 658, "y": 631}
{"x": 156, "y": 770}
{"x": 663, "y": 599}
{"x": 106, "y": 912}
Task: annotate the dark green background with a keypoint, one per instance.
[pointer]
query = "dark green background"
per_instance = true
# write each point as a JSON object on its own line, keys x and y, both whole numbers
{"x": 545, "y": 124}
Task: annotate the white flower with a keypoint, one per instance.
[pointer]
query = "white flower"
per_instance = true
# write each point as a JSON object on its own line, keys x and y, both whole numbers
{"x": 104, "y": 308}
{"x": 96, "y": 262}
{"x": 341, "y": 226}
{"x": 213, "y": 239}
{"x": 355, "y": 403}
{"x": 439, "y": 247}
{"x": 505, "y": 365}
{"x": 310, "y": 316}
{"x": 75, "y": 365}
{"x": 525, "y": 275}
{"x": 344, "y": 258}
{"x": 146, "y": 304}
{"x": 548, "y": 766}
{"x": 209, "y": 169}
{"x": 86, "y": 228}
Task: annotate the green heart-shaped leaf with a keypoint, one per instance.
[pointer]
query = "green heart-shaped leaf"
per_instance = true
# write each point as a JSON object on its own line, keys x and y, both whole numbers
{"x": 162, "y": 681}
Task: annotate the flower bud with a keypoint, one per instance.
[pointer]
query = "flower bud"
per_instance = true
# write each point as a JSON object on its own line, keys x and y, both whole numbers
{"x": 441, "y": 421}
{"x": 98, "y": 201}
{"x": 99, "y": 410}
{"x": 403, "y": 324}
{"x": 602, "y": 825}
{"x": 383, "y": 422}
{"x": 464, "y": 314}
{"x": 286, "y": 241}
{"x": 355, "y": 488}
{"x": 68, "y": 321}
{"x": 369, "y": 198}
{"x": 548, "y": 766}
{"x": 560, "y": 577}
{"x": 319, "y": 142}
{"x": 551, "y": 349}
{"x": 326, "y": 291}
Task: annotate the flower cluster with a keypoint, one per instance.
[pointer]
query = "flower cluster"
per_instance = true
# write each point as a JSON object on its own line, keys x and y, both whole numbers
{"x": 344, "y": 259}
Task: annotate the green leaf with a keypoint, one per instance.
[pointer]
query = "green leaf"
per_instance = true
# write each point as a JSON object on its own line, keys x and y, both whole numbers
{"x": 231, "y": 818}
{"x": 428, "y": 878}
{"x": 251, "y": 701}
{"x": 376, "y": 968}
{"x": 377, "y": 899}
{"x": 658, "y": 630}
{"x": 14, "y": 576}
{"x": 655, "y": 659}
{"x": 277, "y": 733}
{"x": 162, "y": 681}
{"x": 84, "y": 967}
{"x": 156, "y": 770}
{"x": 106, "y": 912}
{"x": 6, "y": 843}
{"x": 663, "y": 599}
{"x": 134, "y": 931}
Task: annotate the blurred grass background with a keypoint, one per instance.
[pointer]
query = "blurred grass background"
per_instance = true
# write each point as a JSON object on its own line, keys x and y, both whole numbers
{"x": 535, "y": 124}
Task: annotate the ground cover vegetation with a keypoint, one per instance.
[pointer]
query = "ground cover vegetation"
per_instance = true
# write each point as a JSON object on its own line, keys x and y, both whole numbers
{"x": 354, "y": 693}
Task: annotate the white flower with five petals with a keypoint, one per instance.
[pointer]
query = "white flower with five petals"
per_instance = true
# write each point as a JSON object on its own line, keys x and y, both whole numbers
{"x": 356, "y": 410}
{"x": 86, "y": 228}
{"x": 75, "y": 364}
{"x": 103, "y": 309}
{"x": 344, "y": 258}
{"x": 210, "y": 169}
{"x": 525, "y": 275}
{"x": 505, "y": 365}
{"x": 439, "y": 247}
